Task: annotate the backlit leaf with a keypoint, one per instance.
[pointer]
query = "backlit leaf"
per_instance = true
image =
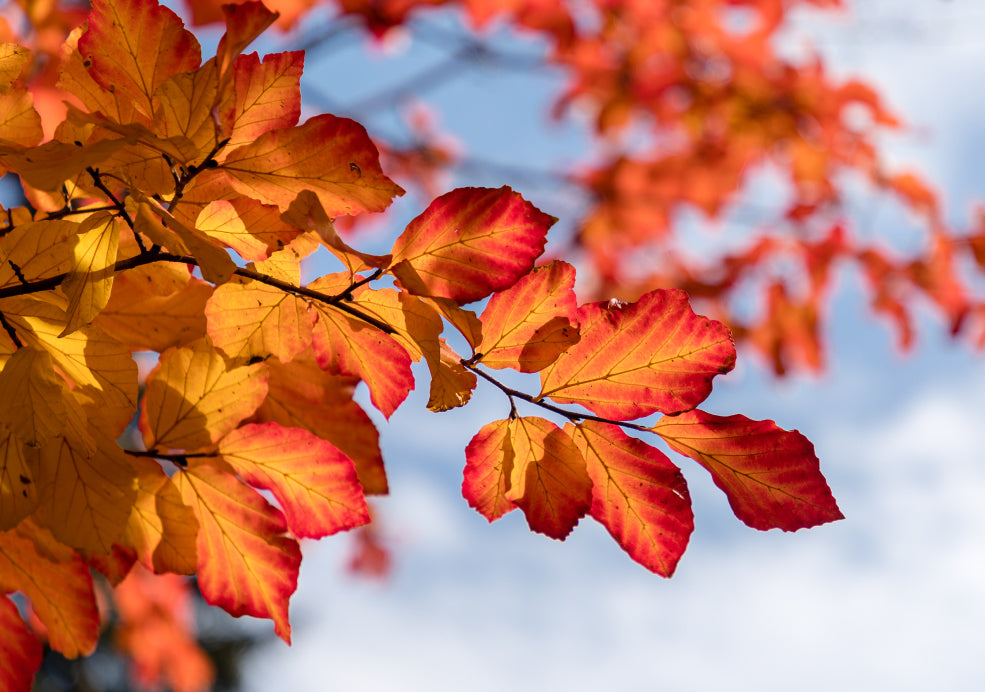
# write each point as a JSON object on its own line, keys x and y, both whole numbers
{"x": 13, "y": 60}
{"x": 20, "y": 650}
{"x": 246, "y": 566}
{"x": 19, "y": 123}
{"x": 637, "y": 494}
{"x": 89, "y": 283}
{"x": 268, "y": 95}
{"x": 638, "y": 358}
{"x": 249, "y": 319}
{"x": 60, "y": 592}
{"x": 252, "y": 229}
{"x": 39, "y": 250}
{"x": 488, "y": 467}
{"x": 86, "y": 491}
{"x": 548, "y": 480}
{"x": 451, "y": 383}
{"x": 133, "y": 46}
{"x": 469, "y": 243}
{"x": 770, "y": 475}
{"x": 33, "y": 405}
{"x": 183, "y": 106}
{"x": 192, "y": 399}
{"x": 530, "y": 324}
{"x": 332, "y": 157}
{"x": 302, "y": 395}
{"x": 162, "y": 529}
{"x": 344, "y": 345}
{"x": 314, "y": 483}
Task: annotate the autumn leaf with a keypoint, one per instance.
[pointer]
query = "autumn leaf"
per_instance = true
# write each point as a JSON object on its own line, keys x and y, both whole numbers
{"x": 252, "y": 229}
{"x": 38, "y": 250}
{"x": 548, "y": 480}
{"x": 246, "y": 565}
{"x": 122, "y": 63}
{"x": 161, "y": 528}
{"x": 20, "y": 124}
{"x": 90, "y": 282}
{"x": 192, "y": 399}
{"x": 344, "y": 345}
{"x": 302, "y": 395}
{"x": 20, "y": 650}
{"x": 60, "y": 591}
{"x": 770, "y": 475}
{"x": 452, "y": 383}
{"x": 268, "y": 95}
{"x": 638, "y": 358}
{"x": 530, "y": 324}
{"x": 315, "y": 484}
{"x": 469, "y": 243}
{"x": 18, "y": 471}
{"x": 638, "y": 494}
{"x": 13, "y": 60}
{"x": 86, "y": 490}
{"x": 332, "y": 157}
{"x": 248, "y": 319}
{"x": 488, "y": 466}
{"x": 34, "y": 405}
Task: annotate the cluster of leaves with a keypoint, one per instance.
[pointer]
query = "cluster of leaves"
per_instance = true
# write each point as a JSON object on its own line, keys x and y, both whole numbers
{"x": 705, "y": 84}
{"x": 249, "y": 438}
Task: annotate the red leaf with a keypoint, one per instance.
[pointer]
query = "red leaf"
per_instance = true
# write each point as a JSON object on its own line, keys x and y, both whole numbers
{"x": 488, "y": 465}
{"x": 313, "y": 482}
{"x": 469, "y": 243}
{"x": 638, "y": 494}
{"x": 20, "y": 650}
{"x": 246, "y": 565}
{"x": 638, "y": 358}
{"x": 770, "y": 475}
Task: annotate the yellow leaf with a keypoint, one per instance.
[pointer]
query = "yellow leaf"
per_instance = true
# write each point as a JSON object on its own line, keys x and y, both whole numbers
{"x": 32, "y": 405}
{"x": 87, "y": 489}
{"x": 90, "y": 282}
{"x": 102, "y": 369}
{"x": 192, "y": 399}
{"x": 38, "y": 249}
{"x": 13, "y": 60}
{"x": 162, "y": 528}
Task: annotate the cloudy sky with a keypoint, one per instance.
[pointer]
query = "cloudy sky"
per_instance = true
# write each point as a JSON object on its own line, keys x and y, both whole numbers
{"x": 891, "y": 598}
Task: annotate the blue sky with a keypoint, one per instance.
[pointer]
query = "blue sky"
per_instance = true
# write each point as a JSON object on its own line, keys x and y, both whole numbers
{"x": 890, "y": 598}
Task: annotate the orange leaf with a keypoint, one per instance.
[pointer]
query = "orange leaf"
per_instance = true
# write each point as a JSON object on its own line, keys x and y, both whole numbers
{"x": 548, "y": 480}
{"x": 306, "y": 212}
{"x": 161, "y": 528}
{"x": 770, "y": 475}
{"x": 33, "y": 407}
{"x": 103, "y": 371}
{"x": 530, "y": 324}
{"x": 156, "y": 632}
{"x": 192, "y": 399}
{"x": 451, "y": 383}
{"x": 39, "y": 249}
{"x": 638, "y": 358}
{"x": 74, "y": 77}
{"x": 244, "y": 23}
{"x": 250, "y": 319}
{"x": 469, "y": 243}
{"x": 302, "y": 395}
{"x": 638, "y": 494}
{"x": 185, "y": 106}
{"x": 332, "y": 157}
{"x": 268, "y": 95}
{"x": 18, "y": 471}
{"x": 145, "y": 317}
{"x": 20, "y": 650}
{"x": 20, "y": 124}
{"x": 133, "y": 46}
{"x": 346, "y": 346}
{"x": 13, "y": 60}
{"x": 314, "y": 483}
{"x": 246, "y": 566}
{"x": 60, "y": 591}
{"x": 488, "y": 466}
{"x": 252, "y": 229}
{"x": 86, "y": 490}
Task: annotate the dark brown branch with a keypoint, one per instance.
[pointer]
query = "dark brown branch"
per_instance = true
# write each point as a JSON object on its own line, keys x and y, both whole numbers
{"x": 570, "y": 415}
{"x": 11, "y": 332}
{"x": 338, "y": 302}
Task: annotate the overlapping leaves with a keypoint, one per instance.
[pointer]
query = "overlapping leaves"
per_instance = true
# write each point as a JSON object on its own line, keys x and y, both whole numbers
{"x": 248, "y": 435}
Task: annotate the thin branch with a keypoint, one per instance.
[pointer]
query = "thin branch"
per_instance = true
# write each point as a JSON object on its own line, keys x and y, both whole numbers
{"x": 120, "y": 208}
{"x": 338, "y": 302}
{"x": 11, "y": 332}
{"x": 570, "y": 415}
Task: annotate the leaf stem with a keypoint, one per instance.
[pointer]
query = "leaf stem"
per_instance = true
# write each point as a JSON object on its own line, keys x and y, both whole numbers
{"x": 573, "y": 416}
